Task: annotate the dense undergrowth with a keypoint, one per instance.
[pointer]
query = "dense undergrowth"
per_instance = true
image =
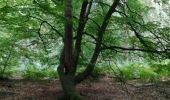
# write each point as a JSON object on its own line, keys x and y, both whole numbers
{"x": 154, "y": 71}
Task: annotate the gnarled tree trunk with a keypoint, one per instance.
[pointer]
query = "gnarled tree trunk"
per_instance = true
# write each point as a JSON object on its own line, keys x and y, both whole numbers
{"x": 69, "y": 87}
{"x": 69, "y": 57}
{"x": 66, "y": 68}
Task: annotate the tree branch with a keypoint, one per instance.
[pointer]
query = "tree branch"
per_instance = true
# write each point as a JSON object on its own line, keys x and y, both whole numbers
{"x": 97, "y": 50}
{"x": 134, "y": 49}
{"x": 85, "y": 11}
{"x": 52, "y": 27}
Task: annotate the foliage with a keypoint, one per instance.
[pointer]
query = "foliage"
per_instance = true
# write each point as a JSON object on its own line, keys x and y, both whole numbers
{"x": 92, "y": 32}
{"x": 100, "y": 71}
{"x": 6, "y": 74}
{"x": 136, "y": 71}
{"x": 34, "y": 29}
{"x": 162, "y": 68}
{"x": 34, "y": 73}
{"x": 130, "y": 72}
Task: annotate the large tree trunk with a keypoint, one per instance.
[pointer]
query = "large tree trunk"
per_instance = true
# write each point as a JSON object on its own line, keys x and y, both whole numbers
{"x": 68, "y": 60}
{"x": 69, "y": 89}
{"x": 68, "y": 38}
{"x": 66, "y": 68}
{"x": 68, "y": 85}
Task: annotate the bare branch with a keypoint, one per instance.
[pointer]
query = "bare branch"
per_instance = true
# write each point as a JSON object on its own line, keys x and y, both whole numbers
{"x": 52, "y": 27}
{"x": 90, "y": 35}
{"x": 134, "y": 49}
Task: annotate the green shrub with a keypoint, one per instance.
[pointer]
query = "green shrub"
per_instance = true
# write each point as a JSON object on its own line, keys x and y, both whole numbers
{"x": 51, "y": 73}
{"x": 34, "y": 73}
{"x": 129, "y": 71}
{"x": 148, "y": 74}
{"x": 151, "y": 72}
{"x": 97, "y": 72}
{"x": 133, "y": 71}
{"x": 5, "y": 73}
{"x": 161, "y": 68}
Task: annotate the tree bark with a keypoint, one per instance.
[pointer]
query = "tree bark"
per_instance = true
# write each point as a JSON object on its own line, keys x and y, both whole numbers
{"x": 69, "y": 87}
{"x": 66, "y": 67}
{"x": 68, "y": 60}
{"x": 85, "y": 11}
{"x": 65, "y": 70}
{"x": 68, "y": 37}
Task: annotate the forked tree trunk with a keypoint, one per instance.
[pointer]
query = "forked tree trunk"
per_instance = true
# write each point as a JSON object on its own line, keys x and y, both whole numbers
{"x": 69, "y": 88}
{"x": 68, "y": 85}
{"x": 68, "y": 60}
{"x": 66, "y": 68}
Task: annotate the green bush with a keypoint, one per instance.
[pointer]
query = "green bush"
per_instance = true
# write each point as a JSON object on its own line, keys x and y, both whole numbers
{"x": 162, "y": 68}
{"x": 51, "y": 73}
{"x": 103, "y": 70}
{"x": 152, "y": 72}
{"x": 137, "y": 71}
{"x": 148, "y": 74}
{"x": 128, "y": 71}
{"x": 97, "y": 72}
{"x": 34, "y": 73}
{"x": 5, "y": 73}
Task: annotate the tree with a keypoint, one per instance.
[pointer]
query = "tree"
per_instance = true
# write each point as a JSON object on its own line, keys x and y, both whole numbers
{"x": 93, "y": 26}
{"x": 69, "y": 57}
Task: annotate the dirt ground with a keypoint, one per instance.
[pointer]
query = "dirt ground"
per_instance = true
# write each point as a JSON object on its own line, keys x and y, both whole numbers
{"x": 103, "y": 89}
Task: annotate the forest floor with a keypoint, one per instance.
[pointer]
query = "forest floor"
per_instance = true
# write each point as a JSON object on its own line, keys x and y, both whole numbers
{"x": 104, "y": 88}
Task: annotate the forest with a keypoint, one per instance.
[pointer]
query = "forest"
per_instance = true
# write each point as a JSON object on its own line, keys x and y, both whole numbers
{"x": 84, "y": 49}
